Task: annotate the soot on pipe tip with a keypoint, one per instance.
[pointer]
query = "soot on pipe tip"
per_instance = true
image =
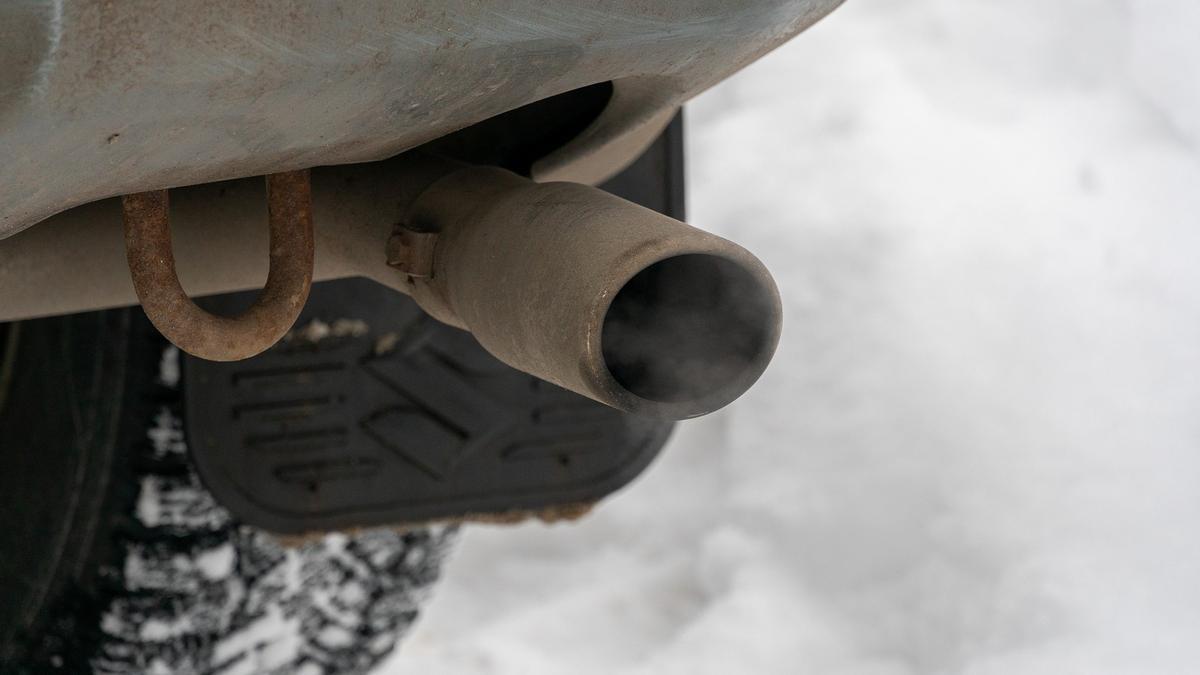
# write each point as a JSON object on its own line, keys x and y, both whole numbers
{"x": 690, "y": 333}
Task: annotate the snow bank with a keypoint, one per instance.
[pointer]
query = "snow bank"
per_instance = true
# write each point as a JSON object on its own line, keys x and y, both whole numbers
{"x": 978, "y": 450}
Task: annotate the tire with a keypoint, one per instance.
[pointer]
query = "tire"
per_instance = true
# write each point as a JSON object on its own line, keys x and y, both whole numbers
{"x": 137, "y": 568}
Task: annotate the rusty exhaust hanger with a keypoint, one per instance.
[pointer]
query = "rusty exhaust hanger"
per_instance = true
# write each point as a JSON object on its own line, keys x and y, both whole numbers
{"x": 179, "y": 319}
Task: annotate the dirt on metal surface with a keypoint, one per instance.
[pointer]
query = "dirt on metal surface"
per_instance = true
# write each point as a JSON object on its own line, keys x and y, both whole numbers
{"x": 205, "y": 335}
{"x": 110, "y": 98}
{"x": 411, "y": 252}
{"x": 561, "y": 513}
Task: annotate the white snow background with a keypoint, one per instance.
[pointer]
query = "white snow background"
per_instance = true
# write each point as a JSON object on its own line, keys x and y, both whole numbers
{"x": 978, "y": 449}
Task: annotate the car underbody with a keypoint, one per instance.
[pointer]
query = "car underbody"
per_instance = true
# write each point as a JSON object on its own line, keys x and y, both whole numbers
{"x": 414, "y": 262}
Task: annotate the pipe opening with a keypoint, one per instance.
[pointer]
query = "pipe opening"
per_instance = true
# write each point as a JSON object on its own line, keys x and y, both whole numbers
{"x": 690, "y": 327}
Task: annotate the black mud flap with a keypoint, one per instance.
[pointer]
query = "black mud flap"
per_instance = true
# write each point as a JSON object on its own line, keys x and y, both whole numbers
{"x": 372, "y": 413}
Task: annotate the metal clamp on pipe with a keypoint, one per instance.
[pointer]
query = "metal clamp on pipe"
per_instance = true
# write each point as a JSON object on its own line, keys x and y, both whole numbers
{"x": 593, "y": 293}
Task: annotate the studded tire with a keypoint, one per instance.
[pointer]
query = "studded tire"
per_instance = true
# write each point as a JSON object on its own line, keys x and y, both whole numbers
{"x": 130, "y": 566}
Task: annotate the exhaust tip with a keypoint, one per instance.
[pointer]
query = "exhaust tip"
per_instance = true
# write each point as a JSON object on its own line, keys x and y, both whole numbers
{"x": 690, "y": 333}
{"x": 597, "y": 295}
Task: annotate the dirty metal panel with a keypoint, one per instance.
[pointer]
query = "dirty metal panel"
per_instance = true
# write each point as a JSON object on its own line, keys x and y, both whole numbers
{"x": 99, "y": 99}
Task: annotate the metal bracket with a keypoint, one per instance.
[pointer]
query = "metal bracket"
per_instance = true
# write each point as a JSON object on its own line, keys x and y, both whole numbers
{"x": 195, "y": 331}
{"x": 411, "y": 251}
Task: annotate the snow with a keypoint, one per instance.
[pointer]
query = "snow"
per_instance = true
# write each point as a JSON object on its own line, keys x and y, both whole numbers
{"x": 976, "y": 451}
{"x": 269, "y": 642}
{"x": 169, "y": 369}
{"x": 178, "y": 502}
{"x": 167, "y": 434}
{"x": 148, "y": 569}
{"x": 216, "y": 563}
{"x": 316, "y": 330}
{"x": 158, "y": 630}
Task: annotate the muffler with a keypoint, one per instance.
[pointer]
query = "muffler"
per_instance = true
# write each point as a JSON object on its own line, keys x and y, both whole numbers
{"x": 593, "y": 293}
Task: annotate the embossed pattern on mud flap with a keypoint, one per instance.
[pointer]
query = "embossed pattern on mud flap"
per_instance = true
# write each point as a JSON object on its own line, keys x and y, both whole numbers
{"x": 371, "y": 413}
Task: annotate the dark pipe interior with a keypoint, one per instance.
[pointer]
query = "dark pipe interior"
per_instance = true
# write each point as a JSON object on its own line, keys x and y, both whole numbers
{"x": 687, "y": 327}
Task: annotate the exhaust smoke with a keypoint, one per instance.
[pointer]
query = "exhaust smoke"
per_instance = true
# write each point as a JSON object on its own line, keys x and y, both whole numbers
{"x": 687, "y": 328}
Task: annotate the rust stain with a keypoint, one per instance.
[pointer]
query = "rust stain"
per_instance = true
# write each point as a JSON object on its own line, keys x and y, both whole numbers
{"x": 557, "y": 513}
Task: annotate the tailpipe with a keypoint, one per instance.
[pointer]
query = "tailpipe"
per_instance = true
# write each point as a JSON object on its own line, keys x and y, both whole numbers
{"x": 593, "y": 293}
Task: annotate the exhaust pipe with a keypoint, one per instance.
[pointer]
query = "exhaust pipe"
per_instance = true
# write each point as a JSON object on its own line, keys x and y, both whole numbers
{"x": 593, "y": 293}
{"x": 600, "y": 296}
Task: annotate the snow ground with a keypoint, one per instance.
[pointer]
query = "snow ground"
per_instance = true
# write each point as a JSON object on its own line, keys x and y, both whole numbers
{"x": 978, "y": 450}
